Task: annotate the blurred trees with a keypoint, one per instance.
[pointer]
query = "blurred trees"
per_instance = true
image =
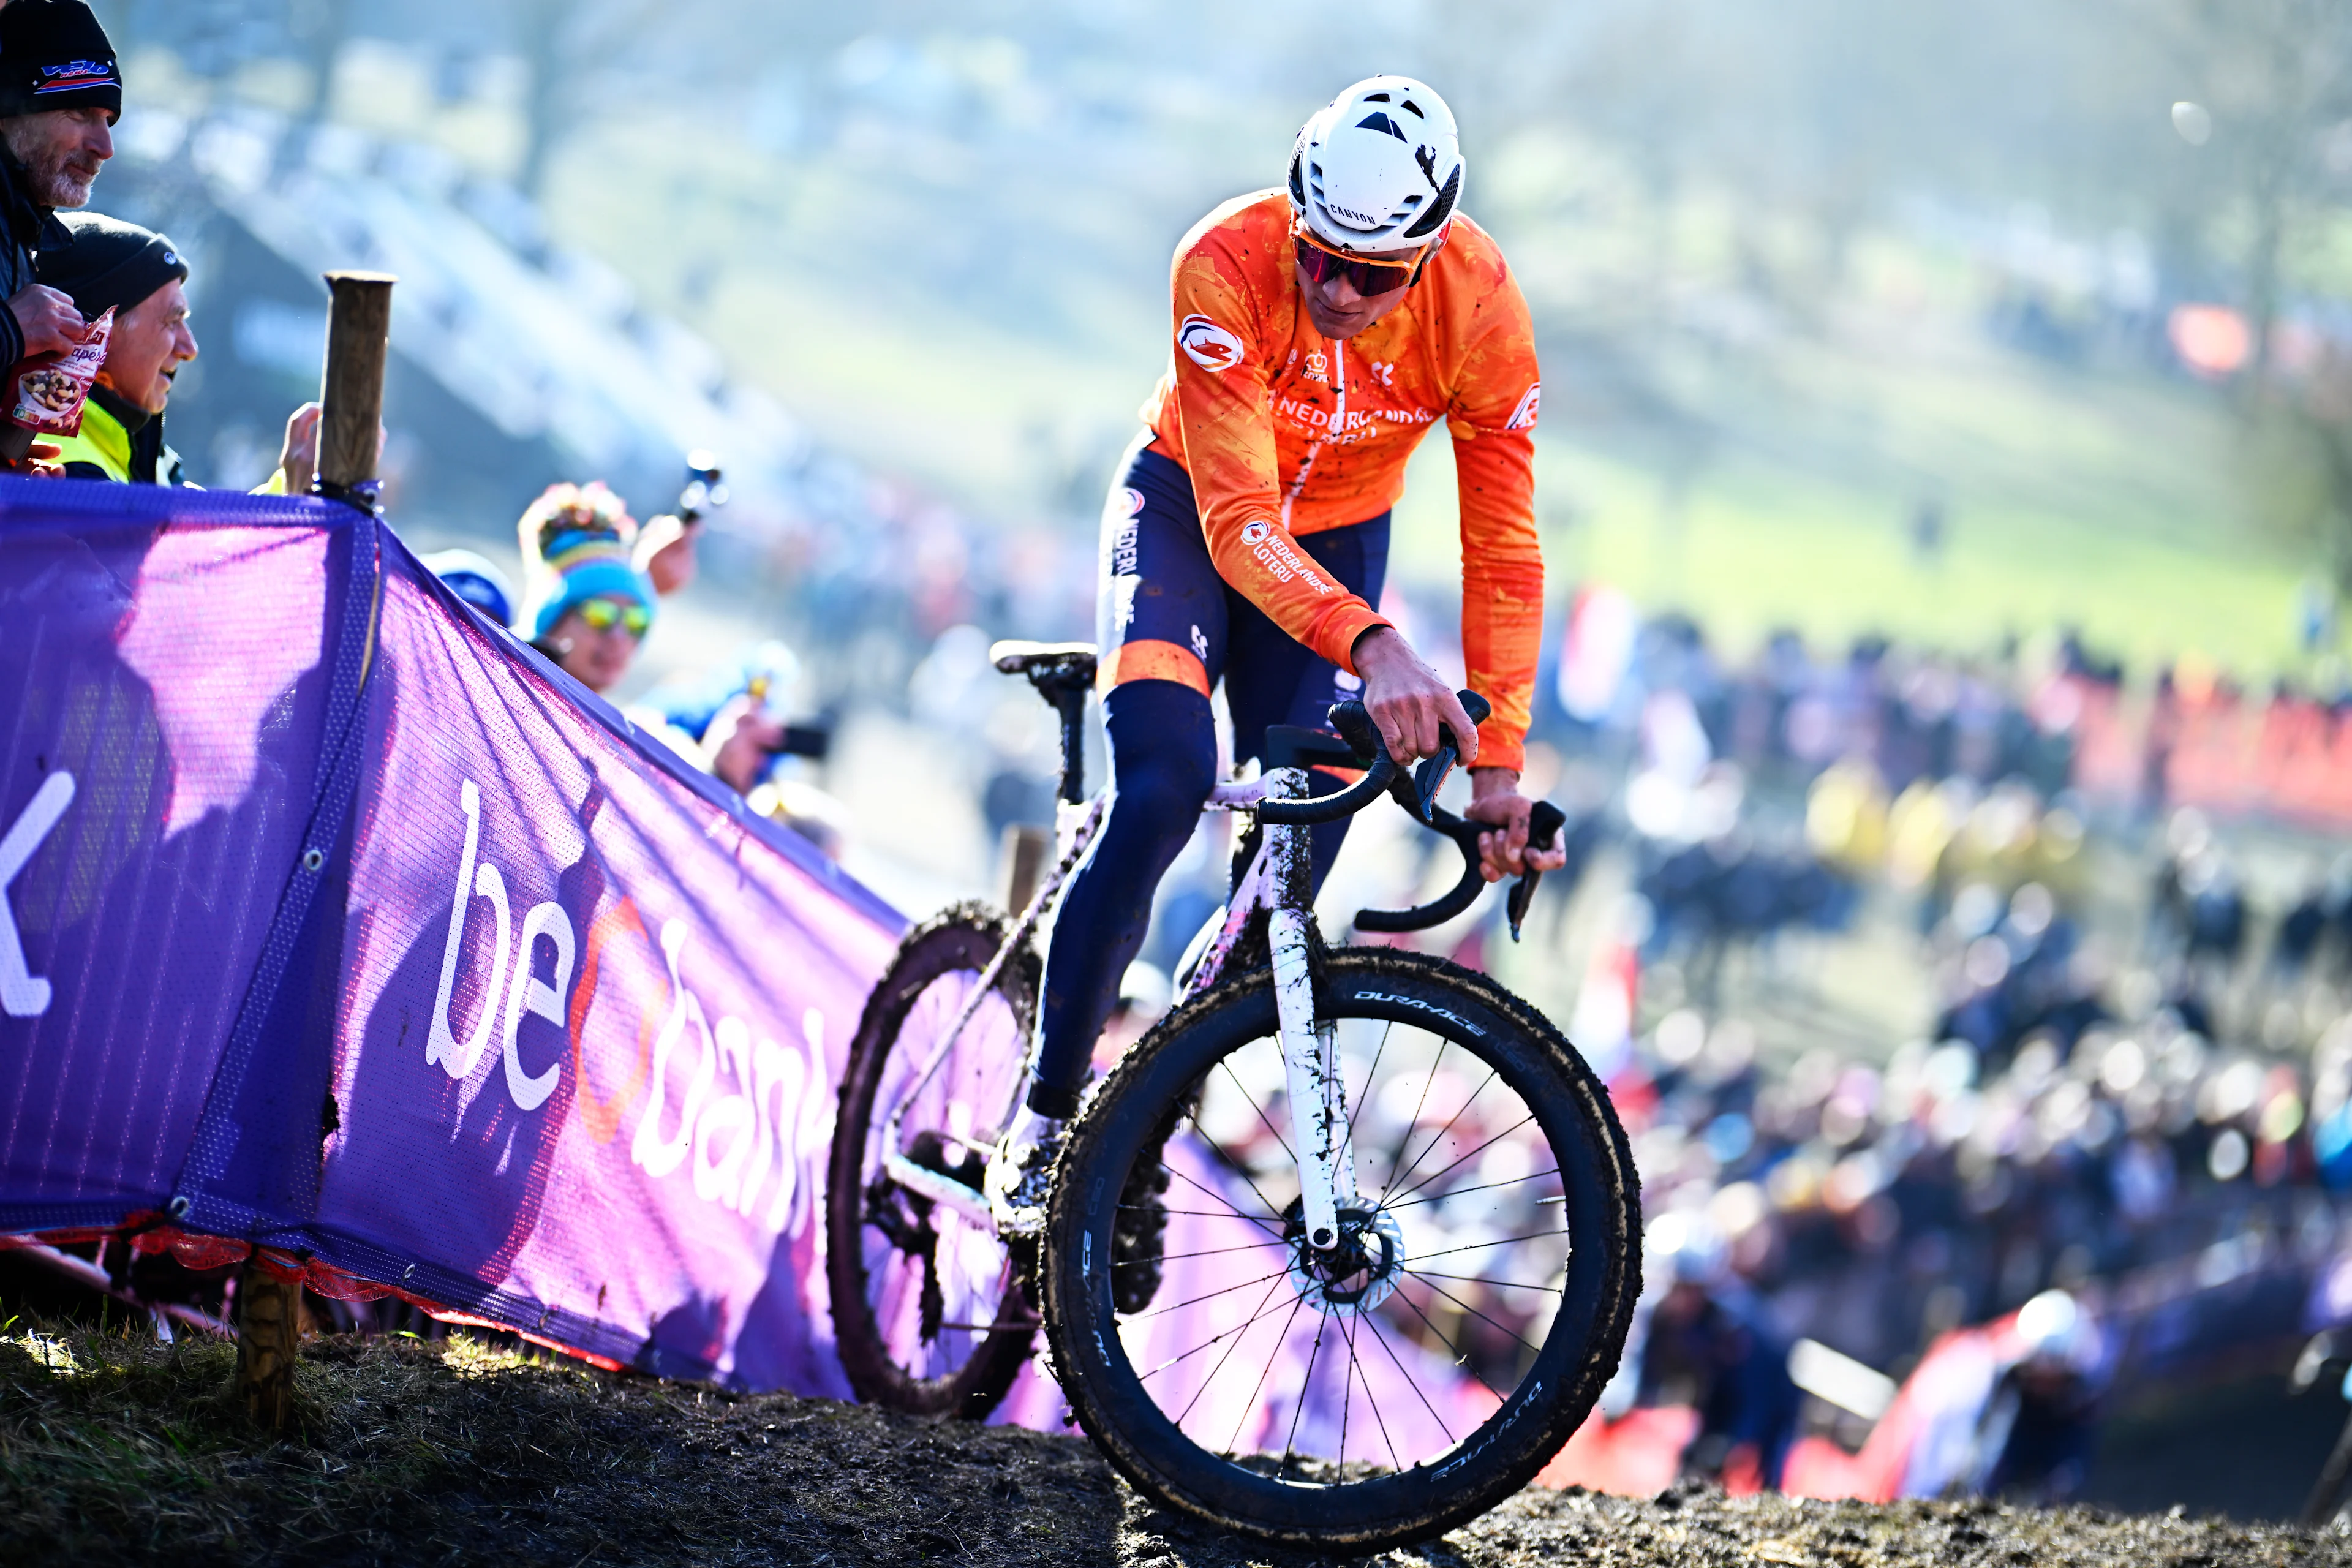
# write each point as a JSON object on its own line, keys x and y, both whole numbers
{"x": 2275, "y": 78}
{"x": 1034, "y": 160}
{"x": 2263, "y": 185}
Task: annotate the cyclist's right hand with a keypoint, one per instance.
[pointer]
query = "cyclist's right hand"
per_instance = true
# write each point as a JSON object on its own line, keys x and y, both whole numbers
{"x": 47, "y": 319}
{"x": 1408, "y": 701}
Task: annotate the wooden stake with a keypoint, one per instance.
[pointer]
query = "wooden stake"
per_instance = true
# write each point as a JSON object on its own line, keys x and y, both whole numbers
{"x": 1027, "y": 852}
{"x": 269, "y": 1342}
{"x": 359, "y": 335}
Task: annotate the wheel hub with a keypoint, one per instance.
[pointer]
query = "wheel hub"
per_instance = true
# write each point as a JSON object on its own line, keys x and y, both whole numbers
{"x": 1355, "y": 1274}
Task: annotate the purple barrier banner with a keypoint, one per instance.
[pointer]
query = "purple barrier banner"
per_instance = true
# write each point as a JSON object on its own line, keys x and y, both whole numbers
{"x": 355, "y": 931}
{"x": 165, "y": 669}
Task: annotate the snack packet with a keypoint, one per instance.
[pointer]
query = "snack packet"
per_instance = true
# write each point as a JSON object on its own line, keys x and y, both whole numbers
{"x": 49, "y": 389}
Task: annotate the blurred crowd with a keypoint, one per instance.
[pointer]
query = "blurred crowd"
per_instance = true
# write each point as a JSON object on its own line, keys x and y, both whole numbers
{"x": 2138, "y": 1071}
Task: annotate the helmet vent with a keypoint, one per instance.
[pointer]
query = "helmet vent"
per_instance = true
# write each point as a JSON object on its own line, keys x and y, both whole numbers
{"x": 1298, "y": 187}
{"x": 1378, "y": 122}
{"x": 1412, "y": 105}
{"x": 1439, "y": 209}
{"x": 1380, "y": 97}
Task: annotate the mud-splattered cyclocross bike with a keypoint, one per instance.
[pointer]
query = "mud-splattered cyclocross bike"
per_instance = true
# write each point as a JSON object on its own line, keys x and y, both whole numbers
{"x": 1339, "y": 1254}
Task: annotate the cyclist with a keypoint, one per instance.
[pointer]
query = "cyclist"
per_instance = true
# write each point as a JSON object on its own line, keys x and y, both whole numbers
{"x": 1318, "y": 331}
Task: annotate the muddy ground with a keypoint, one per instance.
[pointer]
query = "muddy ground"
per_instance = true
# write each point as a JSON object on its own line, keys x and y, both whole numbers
{"x": 114, "y": 1449}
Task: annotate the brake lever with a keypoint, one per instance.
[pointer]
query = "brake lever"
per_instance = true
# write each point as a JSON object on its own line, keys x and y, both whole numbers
{"x": 1544, "y": 824}
{"x": 1429, "y": 776}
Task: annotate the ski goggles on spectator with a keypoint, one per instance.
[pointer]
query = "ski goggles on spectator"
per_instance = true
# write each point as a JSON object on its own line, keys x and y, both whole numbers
{"x": 603, "y": 614}
{"x": 1321, "y": 263}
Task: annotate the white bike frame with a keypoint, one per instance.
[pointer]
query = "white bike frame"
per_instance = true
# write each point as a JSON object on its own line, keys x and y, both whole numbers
{"x": 1279, "y": 882}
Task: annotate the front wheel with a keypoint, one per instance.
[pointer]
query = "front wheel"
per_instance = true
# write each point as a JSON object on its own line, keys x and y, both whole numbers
{"x": 1411, "y": 1377}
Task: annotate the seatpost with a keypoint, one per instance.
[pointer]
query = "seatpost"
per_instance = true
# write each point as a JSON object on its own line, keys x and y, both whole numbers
{"x": 1070, "y": 701}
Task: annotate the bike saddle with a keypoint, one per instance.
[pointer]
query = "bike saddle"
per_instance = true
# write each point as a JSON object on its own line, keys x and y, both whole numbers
{"x": 1046, "y": 661}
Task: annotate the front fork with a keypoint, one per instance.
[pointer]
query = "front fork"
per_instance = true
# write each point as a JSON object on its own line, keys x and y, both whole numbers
{"x": 1319, "y": 1103}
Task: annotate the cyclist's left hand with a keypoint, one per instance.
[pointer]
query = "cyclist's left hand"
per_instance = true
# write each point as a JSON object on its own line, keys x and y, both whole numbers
{"x": 1496, "y": 799}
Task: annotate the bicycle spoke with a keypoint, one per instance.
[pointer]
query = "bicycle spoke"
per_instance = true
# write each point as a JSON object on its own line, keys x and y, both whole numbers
{"x": 1250, "y": 1404}
{"x": 1229, "y": 1212}
{"x": 1178, "y": 1306}
{"x": 1482, "y": 1279}
{"x": 1412, "y": 1121}
{"x": 1476, "y": 1245}
{"x": 1355, "y": 1365}
{"x": 1204, "y": 1252}
{"x": 1306, "y": 1383}
{"x": 1410, "y": 1381}
{"x": 1346, "y": 1397}
{"x": 1234, "y": 1334}
{"x": 1482, "y": 1147}
{"x": 1476, "y": 1313}
{"x": 1230, "y": 1164}
{"x": 1460, "y": 1357}
{"x": 1371, "y": 1076}
{"x": 1238, "y": 1212}
{"x": 1226, "y": 1066}
{"x": 1481, "y": 1187}
{"x": 1440, "y": 1136}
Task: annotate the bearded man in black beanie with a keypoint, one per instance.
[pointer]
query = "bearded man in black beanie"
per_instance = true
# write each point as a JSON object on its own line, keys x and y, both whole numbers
{"x": 105, "y": 264}
{"x": 60, "y": 94}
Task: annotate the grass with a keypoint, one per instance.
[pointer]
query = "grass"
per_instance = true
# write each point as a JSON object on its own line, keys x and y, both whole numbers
{"x": 1755, "y": 480}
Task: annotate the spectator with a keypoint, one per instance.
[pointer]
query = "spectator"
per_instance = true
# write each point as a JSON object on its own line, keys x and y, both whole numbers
{"x": 590, "y": 607}
{"x": 106, "y": 264}
{"x": 297, "y": 454}
{"x": 1708, "y": 1346}
{"x": 665, "y": 550}
{"x": 60, "y": 94}
{"x": 730, "y": 722}
{"x": 476, "y": 580}
{"x": 2035, "y": 1438}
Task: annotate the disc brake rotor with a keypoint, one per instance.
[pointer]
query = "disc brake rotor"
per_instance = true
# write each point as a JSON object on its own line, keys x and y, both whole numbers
{"x": 1356, "y": 1276}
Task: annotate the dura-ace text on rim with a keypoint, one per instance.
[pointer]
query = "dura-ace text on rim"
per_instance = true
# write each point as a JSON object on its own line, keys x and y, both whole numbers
{"x": 1488, "y": 1223}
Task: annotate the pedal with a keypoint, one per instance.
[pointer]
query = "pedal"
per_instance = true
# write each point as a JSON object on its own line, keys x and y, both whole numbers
{"x": 1019, "y": 1179}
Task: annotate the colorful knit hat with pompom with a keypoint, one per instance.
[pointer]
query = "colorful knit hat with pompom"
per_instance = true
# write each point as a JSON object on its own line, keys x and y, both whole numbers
{"x": 578, "y": 540}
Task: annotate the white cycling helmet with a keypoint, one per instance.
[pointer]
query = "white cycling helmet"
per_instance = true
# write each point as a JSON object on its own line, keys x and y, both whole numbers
{"x": 2051, "y": 1327}
{"x": 1377, "y": 170}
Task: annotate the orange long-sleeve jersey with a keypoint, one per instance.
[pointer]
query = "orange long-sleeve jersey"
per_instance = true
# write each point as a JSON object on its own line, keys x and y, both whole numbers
{"x": 1286, "y": 432}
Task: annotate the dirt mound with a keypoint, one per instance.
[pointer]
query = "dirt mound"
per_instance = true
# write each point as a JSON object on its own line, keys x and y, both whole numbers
{"x": 117, "y": 1450}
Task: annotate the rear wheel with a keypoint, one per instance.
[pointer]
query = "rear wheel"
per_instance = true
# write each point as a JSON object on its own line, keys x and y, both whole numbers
{"x": 929, "y": 1312}
{"x": 1429, "y": 1365}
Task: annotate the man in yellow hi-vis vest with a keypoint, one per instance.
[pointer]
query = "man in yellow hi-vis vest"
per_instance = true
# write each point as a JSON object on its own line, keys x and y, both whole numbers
{"x": 140, "y": 274}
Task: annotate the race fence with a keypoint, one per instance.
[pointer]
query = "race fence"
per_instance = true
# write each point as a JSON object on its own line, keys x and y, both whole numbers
{"x": 337, "y": 924}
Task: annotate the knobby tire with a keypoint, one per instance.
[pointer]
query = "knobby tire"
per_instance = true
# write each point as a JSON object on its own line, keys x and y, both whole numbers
{"x": 959, "y": 940}
{"x": 1363, "y": 1508}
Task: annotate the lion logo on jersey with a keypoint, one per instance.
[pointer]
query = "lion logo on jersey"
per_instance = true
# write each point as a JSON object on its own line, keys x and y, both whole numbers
{"x": 1210, "y": 346}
